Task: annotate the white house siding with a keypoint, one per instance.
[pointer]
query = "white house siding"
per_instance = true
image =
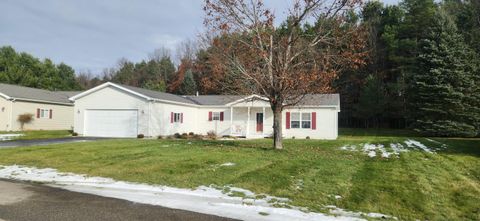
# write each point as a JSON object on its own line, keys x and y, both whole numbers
{"x": 62, "y": 116}
{"x": 326, "y": 122}
{"x": 111, "y": 98}
{"x": 160, "y": 123}
{"x": 5, "y": 114}
{"x": 221, "y": 128}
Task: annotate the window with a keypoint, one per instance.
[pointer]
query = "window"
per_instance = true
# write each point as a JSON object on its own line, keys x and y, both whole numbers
{"x": 295, "y": 120}
{"x": 177, "y": 117}
{"x": 216, "y": 115}
{"x": 306, "y": 120}
{"x": 300, "y": 120}
{"x": 44, "y": 113}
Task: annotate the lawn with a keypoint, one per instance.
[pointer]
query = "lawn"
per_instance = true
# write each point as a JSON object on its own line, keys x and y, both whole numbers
{"x": 417, "y": 185}
{"x": 40, "y": 134}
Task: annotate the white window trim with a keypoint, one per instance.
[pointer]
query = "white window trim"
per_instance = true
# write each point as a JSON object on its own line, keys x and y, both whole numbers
{"x": 177, "y": 117}
{"x": 215, "y": 116}
{"x": 300, "y": 120}
{"x": 43, "y": 115}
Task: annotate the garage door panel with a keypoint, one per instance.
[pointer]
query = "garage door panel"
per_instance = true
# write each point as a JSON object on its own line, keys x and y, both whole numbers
{"x": 111, "y": 123}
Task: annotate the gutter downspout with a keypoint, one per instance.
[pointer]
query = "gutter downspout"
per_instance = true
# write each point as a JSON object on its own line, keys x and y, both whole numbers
{"x": 10, "y": 125}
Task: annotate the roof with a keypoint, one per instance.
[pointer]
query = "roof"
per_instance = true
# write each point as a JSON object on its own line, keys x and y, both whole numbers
{"x": 159, "y": 95}
{"x": 320, "y": 100}
{"x": 214, "y": 99}
{"x": 35, "y": 94}
{"x": 208, "y": 100}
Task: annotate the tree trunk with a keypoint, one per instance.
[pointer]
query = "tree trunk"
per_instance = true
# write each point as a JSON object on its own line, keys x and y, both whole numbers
{"x": 277, "y": 128}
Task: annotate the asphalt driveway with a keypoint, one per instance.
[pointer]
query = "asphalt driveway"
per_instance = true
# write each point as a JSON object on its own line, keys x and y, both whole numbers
{"x": 21, "y": 201}
{"x": 42, "y": 142}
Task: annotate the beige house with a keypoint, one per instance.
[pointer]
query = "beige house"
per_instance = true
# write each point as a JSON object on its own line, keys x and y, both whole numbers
{"x": 50, "y": 110}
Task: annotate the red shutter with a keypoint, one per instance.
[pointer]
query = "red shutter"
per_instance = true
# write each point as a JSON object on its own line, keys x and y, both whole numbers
{"x": 314, "y": 120}
{"x": 221, "y": 116}
{"x": 288, "y": 120}
{"x": 51, "y": 111}
{"x": 38, "y": 112}
{"x": 181, "y": 118}
{"x": 210, "y": 116}
{"x": 171, "y": 117}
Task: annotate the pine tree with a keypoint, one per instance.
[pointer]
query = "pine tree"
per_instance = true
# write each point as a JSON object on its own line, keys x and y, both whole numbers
{"x": 188, "y": 86}
{"x": 443, "y": 89}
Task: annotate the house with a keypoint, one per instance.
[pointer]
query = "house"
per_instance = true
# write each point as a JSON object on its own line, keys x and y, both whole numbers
{"x": 51, "y": 110}
{"x": 114, "y": 110}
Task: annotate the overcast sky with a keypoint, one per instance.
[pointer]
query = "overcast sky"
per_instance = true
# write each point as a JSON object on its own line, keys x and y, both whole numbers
{"x": 94, "y": 34}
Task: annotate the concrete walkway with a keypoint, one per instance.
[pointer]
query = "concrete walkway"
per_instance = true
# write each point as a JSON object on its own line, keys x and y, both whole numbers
{"x": 31, "y": 202}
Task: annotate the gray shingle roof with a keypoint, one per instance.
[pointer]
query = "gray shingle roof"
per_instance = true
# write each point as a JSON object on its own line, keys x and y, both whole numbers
{"x": 159, "y": 95}
{"x": 214, "y": 99}
{"x": 320, "y": 99}
{"x": 20, "y": 92}
{"x": 309, "y": 100}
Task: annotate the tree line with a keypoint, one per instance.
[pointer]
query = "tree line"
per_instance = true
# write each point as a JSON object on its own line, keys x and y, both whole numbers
{"x": 421, "y": 69}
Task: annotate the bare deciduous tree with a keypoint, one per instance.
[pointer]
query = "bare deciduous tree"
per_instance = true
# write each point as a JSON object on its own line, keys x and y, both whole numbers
{"x": 284, "y": 63}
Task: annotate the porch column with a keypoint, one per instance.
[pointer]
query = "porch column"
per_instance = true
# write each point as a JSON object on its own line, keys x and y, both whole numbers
{"x": 231, "y": 120}
{"x": 248, "y": 122}
{"x": 263, "y": 120}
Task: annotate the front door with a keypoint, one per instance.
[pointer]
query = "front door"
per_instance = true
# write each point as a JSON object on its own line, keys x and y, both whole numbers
{"x": 259, "y": 122}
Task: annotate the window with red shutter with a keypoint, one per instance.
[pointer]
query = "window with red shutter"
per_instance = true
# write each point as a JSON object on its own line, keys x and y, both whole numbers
{"x": 210, "y": 116}
{"x": 221, "y": 116}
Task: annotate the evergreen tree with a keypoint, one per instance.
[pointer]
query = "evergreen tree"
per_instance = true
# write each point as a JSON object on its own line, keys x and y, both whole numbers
{"x": 444, "y": 94}
{"x": 188, "y": 86}
{"x": 371, "y": 104}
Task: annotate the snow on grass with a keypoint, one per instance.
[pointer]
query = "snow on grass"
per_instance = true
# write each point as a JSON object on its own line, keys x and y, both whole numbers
{"x": 372, "y": 150}
{"x": 341, "y": 212}
{"x": 227, "y": 164}
{"x": 5, "y": 137}
{"x": 226, "y": 201}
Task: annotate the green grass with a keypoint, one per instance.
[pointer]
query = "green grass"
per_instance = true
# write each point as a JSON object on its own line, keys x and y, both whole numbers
{"x": 418, "y": 185}
{"x": 40, "y": 134}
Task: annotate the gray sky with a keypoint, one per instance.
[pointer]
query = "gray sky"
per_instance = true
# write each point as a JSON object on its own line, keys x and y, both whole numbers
{"x": 94, "y": 34}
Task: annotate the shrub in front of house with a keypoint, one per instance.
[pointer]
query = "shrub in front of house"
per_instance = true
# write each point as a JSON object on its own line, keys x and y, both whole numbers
{"x": 308, "y": 137}
{"x": 212, "y": 135}
{"x": 74, "y": 134}
{"x": 177, "y": 135}
{"x": 191, "y": 134}
{"x": 184, "y": 136}
{"x": 160, "y": 137}
{"x": 140, "y": 136}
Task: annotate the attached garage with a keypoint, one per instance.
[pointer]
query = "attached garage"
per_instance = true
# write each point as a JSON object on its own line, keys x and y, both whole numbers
{"x": 111, "y": 123}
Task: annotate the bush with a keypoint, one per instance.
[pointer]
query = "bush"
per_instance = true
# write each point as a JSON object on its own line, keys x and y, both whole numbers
{"x": 308, "y": 138}
{"x": 212, "y": 135}
{"x": 160, "y": 137}
{"x": 184, "y": 136}
{"x": 24, "y": 119}
{"x": 177, "y": 135}
{"x": 140, "y": 136}
{"x": 191, "y": 134}
{"x": 293, "y": 137}
{"x": 74, "y": 134}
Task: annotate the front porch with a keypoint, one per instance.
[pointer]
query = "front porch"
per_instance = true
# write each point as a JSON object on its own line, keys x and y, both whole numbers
{"x": 251, "y": 121}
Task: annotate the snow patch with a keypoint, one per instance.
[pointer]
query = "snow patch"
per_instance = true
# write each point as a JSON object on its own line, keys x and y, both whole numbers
{"x": 372, "y": 150}
{"x": 228, "y": 164}
{"x": 5, "y": 137}
{"x": 342, "y": 212}
{"x": 208, "y": 200}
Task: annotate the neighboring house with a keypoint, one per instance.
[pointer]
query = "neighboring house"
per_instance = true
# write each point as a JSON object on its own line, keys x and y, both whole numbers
{"x": 50, "y": 110}
{"x": 113, "y": 110}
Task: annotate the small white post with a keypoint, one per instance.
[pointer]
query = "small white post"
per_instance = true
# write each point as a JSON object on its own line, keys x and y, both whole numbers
{"x": 248, "y": 122}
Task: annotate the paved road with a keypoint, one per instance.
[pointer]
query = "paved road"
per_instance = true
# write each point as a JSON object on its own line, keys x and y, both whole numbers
{"x": 42, "y": 142}
{"x": 30, "y": 202}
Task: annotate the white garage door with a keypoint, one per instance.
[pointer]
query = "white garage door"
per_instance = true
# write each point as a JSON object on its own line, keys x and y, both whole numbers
{"x": 111, "y": 123}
